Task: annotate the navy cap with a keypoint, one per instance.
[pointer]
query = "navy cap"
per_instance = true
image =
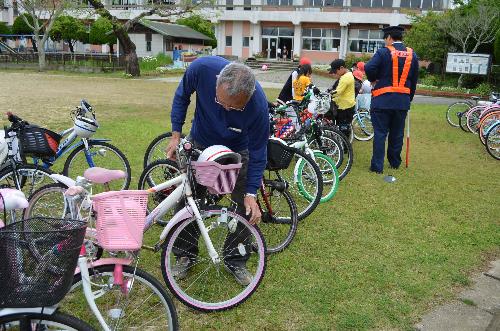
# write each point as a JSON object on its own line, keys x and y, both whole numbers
{"x": 394, "y": 30}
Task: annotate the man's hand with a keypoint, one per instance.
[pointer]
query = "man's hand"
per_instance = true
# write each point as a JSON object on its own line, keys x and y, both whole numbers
{"x": 252, "y": 209}
{"x": 172, "y": 145}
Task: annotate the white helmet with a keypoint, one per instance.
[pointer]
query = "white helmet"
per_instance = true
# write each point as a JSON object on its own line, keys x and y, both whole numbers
{"x": 85, "y": 127}
{"x": 220, "y": 154}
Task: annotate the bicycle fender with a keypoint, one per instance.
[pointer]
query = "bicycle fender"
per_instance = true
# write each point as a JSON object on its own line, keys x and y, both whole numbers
{"x": 180, "y": 216}
{"x": 63, "y": 179}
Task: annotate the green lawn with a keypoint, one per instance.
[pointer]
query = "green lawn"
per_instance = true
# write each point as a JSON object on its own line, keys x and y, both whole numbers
{"x": 376, "y": 257}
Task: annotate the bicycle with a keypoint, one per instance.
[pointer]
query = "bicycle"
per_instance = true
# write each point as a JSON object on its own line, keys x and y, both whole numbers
{"x": 32, "y": 287}
{"x": 457, "y": 109}
{"x": 211, "y": 290}
{"x": 85, "y": 153}
{"x": 361, "y": 125}
{"x": 493, "y": 140}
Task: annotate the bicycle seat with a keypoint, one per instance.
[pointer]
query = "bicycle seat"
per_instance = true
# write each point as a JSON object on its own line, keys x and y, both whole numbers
{"x": 101, "y": 176}
{"x": 475, "y": 97}
{"x": 14, "y": 199}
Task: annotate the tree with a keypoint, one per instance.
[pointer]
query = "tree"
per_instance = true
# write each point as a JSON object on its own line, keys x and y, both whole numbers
{"x": 200, "y": 24}
{"x": 70, "y": 30}
{"x": 120, "y": 29}
{"x": 4, "y": 29}
{"x": 20, "y": 27}
{"x": 427, "y": 37}
{"x": 497, "y": 48}
{"x": 101, "y": 33}
{"x": 51, "y": 10}
{"x": 473, "y": 25}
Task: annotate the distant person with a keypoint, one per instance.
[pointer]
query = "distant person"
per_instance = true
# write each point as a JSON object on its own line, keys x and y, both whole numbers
{"x": 285, "y": 53}
{"x": 278, "y": 52}
{"x": 343, "y": 95}
{"x": 287, "y": 92}
{"x": 394, "y": 69}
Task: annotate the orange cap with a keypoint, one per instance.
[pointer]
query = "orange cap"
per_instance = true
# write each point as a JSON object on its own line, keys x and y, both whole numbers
{"x": 304, "y": 60}
{"x": 358, "y": 74}
{"x": 361, "y": 66}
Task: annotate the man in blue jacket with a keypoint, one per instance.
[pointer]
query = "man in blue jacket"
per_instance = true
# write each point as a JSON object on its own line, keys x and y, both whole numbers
{"x": 231, "y": 110}
{"x": 394, "y": 69}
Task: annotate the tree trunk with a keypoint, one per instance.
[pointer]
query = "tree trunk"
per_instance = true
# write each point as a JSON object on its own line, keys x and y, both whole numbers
{"x": 71, "y": 48}
{"x": 111, "y": 49}
{"x": 460, "y": 80}
{"x": 128, "y": 47}
{"x": 41, "y": 59}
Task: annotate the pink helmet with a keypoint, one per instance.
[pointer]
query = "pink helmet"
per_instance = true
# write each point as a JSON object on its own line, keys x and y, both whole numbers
{"x": 361, "y": 66}
{"x": 358, "y": 74}
{"x": 217, "y": 168}
{"x": 304, "y": 60}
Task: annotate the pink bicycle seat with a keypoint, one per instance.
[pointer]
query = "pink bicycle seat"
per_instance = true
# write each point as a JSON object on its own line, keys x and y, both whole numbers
{"x": 14, "y": 199}
{"x": 101, "y": 176}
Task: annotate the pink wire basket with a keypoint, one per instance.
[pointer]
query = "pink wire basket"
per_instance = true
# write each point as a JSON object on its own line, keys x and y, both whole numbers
{"x": 218, "y": 178}
{"x": 120, "y": 218}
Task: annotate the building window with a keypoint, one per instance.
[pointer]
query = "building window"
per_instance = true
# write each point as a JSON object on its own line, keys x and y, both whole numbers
{"x": 248, "y": 5}
{"x": 422, "y": 4}
{"x": 277, "y": 31}
{"x": 276, "y": 3}
{"x": 229, "y": 4}
{"x": 148, "y": 42}
{"x": 229, "y": 41}
{"x": 365, "y": 41}
{"x": 246, "y": 41}
{"x": 321, "y": 39}
{"x": 372, "y": 3}
{"x": 323, "y": 3}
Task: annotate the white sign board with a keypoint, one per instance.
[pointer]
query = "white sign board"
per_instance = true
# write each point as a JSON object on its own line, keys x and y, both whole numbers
{"x": 464, "y": 63}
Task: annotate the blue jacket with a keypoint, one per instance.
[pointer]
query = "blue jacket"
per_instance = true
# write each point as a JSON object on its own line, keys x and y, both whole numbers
{"x": 379, "y": 69}
{"x": 213, "y": 125}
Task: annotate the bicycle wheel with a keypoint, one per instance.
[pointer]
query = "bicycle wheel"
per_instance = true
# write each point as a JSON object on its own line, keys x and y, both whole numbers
{"x": 208, "y": 286}
{"x": 103, "y": 155}
{"x": 473, "y": 117}
{"x": 312, "y": 183}
{"x": 485, "y": 122}
{"x": 362, "y": 126}
{"x": 145, "y": 304}
{"x": 493, "y": 141}
{"x": 455, "y": 111}
{"x": 279, "y": 215}
{"x": 48, "y": 201}
{"x": 330, "y": 147}
{"x": 30, "y": 177}
{"x": 156, "y": 149}
{"x": 329, "y": 174}
{"x": 156, "y": 173}
{"x": 33, "y": 321}
{"x": 348, "y": 159}
{"x": 462, "y": 121}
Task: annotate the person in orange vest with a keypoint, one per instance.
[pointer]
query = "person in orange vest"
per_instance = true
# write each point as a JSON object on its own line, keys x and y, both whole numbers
{"x": 394, "y": 72}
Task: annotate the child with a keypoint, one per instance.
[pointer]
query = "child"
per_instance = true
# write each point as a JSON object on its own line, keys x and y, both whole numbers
{"x": 302, "y": 82}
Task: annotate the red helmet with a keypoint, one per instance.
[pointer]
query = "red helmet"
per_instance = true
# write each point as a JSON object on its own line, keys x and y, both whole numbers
{"x": 358, "y": 74}
{"x": 304, "y": 60}
{"x": 361, "y": 66}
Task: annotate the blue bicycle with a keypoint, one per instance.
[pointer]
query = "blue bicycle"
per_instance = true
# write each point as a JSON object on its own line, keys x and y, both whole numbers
{"x": 84, "y": 152}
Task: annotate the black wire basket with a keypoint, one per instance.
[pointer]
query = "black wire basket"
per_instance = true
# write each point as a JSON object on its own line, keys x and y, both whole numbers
{"x": 38, "y": 142}
{"x": 279, "y": 155}
{"x": 38, "y": 258}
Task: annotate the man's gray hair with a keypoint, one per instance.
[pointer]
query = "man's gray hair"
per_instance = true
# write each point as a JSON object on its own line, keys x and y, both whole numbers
{"x": 237, "y": 78}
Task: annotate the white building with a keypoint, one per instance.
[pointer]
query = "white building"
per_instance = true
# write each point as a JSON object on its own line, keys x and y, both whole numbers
{"x": 322, "y": 30}
{"x": 6, "y": 12}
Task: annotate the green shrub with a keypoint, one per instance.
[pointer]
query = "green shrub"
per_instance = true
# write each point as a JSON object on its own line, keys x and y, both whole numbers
{"x": 472, "y": 81}
{"x": 483, "y": 89}
{"x": 422, "y": 72}
{"x": 150, "y": 63}
{"x": 432, "y": 80}
{"x": 352, "y": 59}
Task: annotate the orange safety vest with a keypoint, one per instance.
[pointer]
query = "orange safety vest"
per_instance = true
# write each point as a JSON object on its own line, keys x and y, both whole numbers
{"x": 398, "y": 86}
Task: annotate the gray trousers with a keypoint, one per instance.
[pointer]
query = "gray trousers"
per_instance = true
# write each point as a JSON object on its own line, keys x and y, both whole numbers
{"x": 186, "y": 243}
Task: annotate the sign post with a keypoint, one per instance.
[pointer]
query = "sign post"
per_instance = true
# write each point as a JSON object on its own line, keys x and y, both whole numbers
{"x": 465, "y": 63}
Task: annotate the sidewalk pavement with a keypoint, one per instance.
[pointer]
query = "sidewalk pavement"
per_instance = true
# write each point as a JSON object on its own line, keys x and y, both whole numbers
{"x": 475, "y": 309}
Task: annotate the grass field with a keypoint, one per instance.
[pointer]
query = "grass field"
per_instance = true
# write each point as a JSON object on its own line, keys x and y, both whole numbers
{"x": 376, "y": 257}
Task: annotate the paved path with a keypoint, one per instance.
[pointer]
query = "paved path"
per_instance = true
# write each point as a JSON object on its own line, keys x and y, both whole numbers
{"x": 276, "y": 79}
{"x": 475, "y": 309}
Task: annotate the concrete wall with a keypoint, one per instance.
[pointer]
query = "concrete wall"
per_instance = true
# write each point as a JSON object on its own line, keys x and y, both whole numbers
{"x": 139, "y": 40}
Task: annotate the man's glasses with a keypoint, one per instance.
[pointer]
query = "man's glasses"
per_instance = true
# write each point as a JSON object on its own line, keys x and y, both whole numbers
{"x": 228, "y": 108}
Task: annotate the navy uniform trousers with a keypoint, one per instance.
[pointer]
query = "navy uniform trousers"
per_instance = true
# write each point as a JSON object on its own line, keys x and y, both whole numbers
{"x": 387, "y": 122}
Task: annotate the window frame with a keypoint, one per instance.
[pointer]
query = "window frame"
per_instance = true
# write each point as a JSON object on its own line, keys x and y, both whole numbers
{"x": 230, "y": 44}
{"x": 369, "y": 41}
{"x": 315, "y": 41}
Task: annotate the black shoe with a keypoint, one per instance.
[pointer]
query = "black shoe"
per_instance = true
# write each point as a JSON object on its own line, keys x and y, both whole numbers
{"x": 393, "y": 167}
{"x": 375, "y": 171}
{"x": 241, "y": 274}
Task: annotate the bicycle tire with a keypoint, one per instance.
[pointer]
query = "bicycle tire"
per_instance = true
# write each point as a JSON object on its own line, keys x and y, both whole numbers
{"x": 278, "y": 227}
{"x": 289, "y": 175}
{"x": 138, "y": 276}
{"x": 453, "y": 111}
{"x": 30, "y": 176}
{"x": 156, "y": 149}
{"x": 463, "y": 121}
{"x": 493, "y": 141}
{"x": 333, "y": 182}
{"x": 343, "y": 168}
{"x": 147, "y": 181}
{"x": 485, "y": 120}
{"x": 366, "y": 133}
{"x": 57, "y": 207}
{"x": 330, "y": 147}
{"x": 59, "y": 320}
{"x": 238, "y": 295}
{"x": 122, "y": 164}
{"x": 473, "y": 118}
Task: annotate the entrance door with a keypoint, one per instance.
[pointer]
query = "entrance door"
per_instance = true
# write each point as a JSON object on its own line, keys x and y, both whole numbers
{"x": 269, "y": 46}
{"x": 288, "y": 43}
